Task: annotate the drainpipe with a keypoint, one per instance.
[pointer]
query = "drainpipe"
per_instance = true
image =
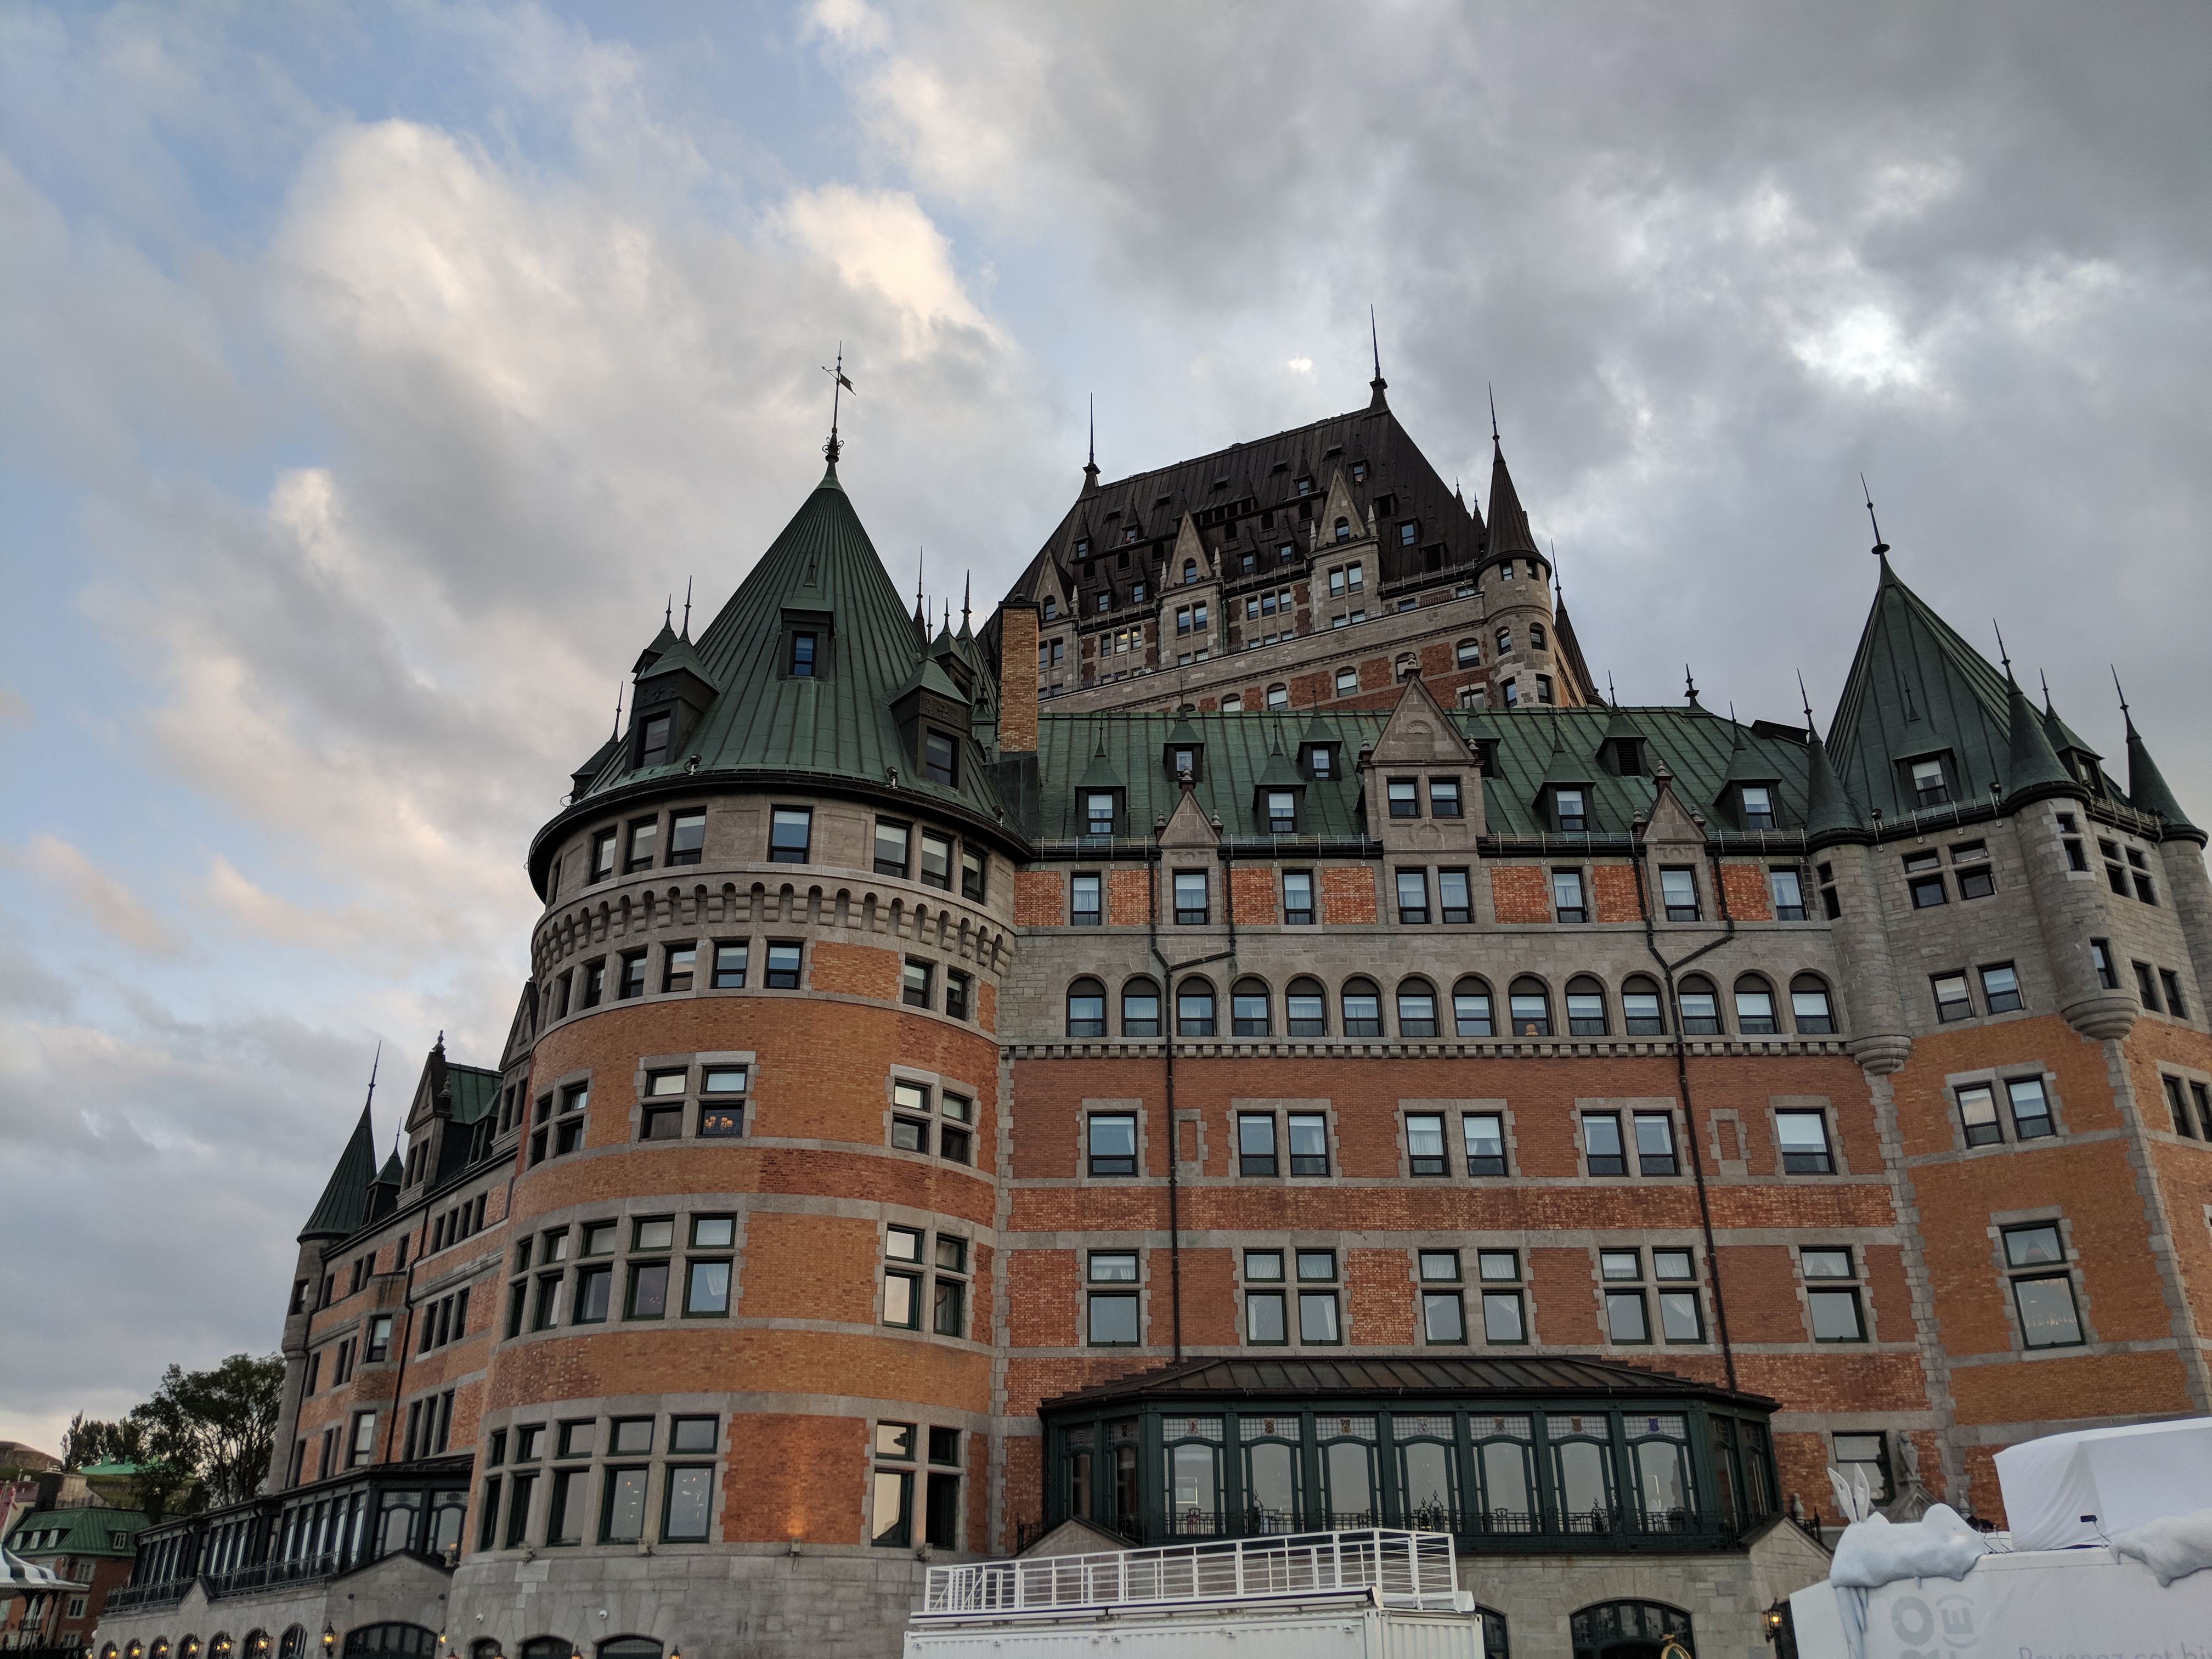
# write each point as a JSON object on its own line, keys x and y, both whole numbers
{"x": 406, "y": 1324}
{"x": 1682, "y": 1081}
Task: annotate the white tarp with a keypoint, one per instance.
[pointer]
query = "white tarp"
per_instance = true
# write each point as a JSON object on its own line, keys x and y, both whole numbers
{"x": 2115, "y": 1477}
{"x": 2074, "y": 1604}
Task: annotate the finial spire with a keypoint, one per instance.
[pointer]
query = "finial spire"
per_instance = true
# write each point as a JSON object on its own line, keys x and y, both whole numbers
{"x": 687, "y": 607}
{"x": 374, "y": 1060}
{"x": 618, "y": 698}
{"x": 1493, "y": 391}
{"x": 1090, "y": 456}
{"x": 840, "y": 385}
{"x": 1881, "y": 547}
{"x": 2046, "y": 688}
{"x": 966, "y": 592}
{"x": 668, "y": 610}
{"x": 2126, "y": 718}
{"x": 1376, "y": 340}
{"x": 1689, "y": 682}
{"x": 2004, "y": 656}
{"x": 1805, "y": 697}
{"x": 1611, "y": 696}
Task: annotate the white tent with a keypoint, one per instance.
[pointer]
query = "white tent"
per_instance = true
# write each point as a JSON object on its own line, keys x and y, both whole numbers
{"x": 2081, "y": 1488}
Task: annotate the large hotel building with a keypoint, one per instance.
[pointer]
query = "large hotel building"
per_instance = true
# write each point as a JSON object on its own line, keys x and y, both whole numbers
{"x": 1248, "y": 1041}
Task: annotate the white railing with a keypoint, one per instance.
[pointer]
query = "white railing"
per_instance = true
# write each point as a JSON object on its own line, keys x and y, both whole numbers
{"x": 1414, "y": 1570}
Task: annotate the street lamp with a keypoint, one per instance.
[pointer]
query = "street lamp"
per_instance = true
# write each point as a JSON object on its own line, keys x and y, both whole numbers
{"x": 330, "y": 1638}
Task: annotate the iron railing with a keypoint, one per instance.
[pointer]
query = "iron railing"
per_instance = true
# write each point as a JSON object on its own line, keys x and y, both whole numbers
{"x": 1413, "y": 1569}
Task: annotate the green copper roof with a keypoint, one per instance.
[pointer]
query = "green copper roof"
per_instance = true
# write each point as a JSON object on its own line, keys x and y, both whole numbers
{"x": 343, "y": 1205}
{"x": 1916, "y": 689}
{"x": 94, "y": 1530}
{"x": 837, "y": 724}
{"x": 2033, "y": 769}
{"x": 2147, "y": 788}
{"x": 473, "y": 1089}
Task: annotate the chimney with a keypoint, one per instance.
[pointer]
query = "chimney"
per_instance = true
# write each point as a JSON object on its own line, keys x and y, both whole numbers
{"x": 1017, "y": 677}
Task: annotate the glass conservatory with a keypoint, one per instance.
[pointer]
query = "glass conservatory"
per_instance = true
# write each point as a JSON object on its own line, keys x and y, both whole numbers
{"x": 1524, "y": 1454}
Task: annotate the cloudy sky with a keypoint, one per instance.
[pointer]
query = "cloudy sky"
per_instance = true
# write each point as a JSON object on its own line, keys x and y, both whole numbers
{"x": 373, "y": 373}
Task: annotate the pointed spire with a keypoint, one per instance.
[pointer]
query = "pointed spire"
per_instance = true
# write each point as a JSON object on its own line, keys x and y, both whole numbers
{"x": 2032, "y": 767}
{"x": 344, "y": 1203}
{"x": 1378, "y": 384}
{"x": 1091, "y": 459}
{"x": 615, "y": 734}
{"x": 686, "y": 633}
{"x": 1508, "y": 525}
{"x": 967, "y": 593}
{"x": 2147, "y": 787}
{"x": 1690, "y": 686}
{"x": 1881, "y": 547}
{"x": 840, "y": 385}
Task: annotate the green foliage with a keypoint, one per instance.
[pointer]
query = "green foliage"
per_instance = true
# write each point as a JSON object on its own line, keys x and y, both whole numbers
{"x": 205, "y": 1437}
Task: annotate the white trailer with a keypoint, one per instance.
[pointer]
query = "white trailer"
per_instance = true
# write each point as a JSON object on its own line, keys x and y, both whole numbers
{"x": 1371, "y": 1595}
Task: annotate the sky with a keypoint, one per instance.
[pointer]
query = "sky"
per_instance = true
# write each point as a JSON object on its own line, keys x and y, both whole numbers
{"x": 374, "y": 374}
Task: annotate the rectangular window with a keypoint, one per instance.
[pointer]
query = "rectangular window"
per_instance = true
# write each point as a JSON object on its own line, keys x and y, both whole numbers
{"x": 783, "y": 964}
{"x": 1111, "y": 1315}
{"x": 974, "y": 869}
{"x": 1453, "y": 903}
{"x": 2000, "y": 989}
{"x": 687, "y": 1503}
{"x": 915, "y": 979}
{"x": 939, "y": 757}
{"x": 622, "y": 1506}
{"x": 1424, "y": 1145}
{"x": 1265, "y": 1321}
{"x": 594, "y": 1288}
{"x": 937, "y": 859}
{"x": 956, "y": 987}
{"x": 1655, "y": 1144}
{"x": 1677, "y": 891}
{"x": 1098, "y": 813}
{"x": 1443, "y": 1312}
{"x": 1602, "y": 1148}
{"x": 2100, "y": 957}
{"x": 1113, "y": 1144}
{"x": 2170, "y": 983}
{"x": 1190, "y": 907}
{"x": 1404, "y": 797}
{"x": 1929, "y": 785}
{"x": 1282, "y": 813}
{"x": 632, "y": 983}
{"x": 2048, "y": 1316}
{"x": 1757, "y": 806}
{"x": 1297, "y": 898}
{"x": 1484, "y": 1135}
{"x": 522, "y": 1486}
{"x": 1977, "y": 1113}
{"x": 595, "y": 984}
{"x": 603, "y": 856}
{"x": 644, "y": 840}
{"x": 1309, "y": 1144}
{"x": 1570, "y": 811}
{"x": 1255, "y": 1144}
{"x": 1084, "y": 895}
{"x": 730, "y": 966}
{"x": 1952, "y": 999}
{"x": 649, "y": 1291}
{"x": 707, "y": 1290}
{"x": 1869, "y": 1454}
{"x": 1318, "y": 1321}
{"x": 1836, "y": 1315}
{"x": 2031, "y": 1108}
{"x": 2202, "y": 1097}
{"x": 1471, "y": 1010}
{"x": 678, "y": 963}
{"x": 687, "y": 837}
{"x": 1567, "y": 895}
{"x": 1444, "y": 798}
{"x": 894, "y": 848}
{"x": 1977, "y": 877}
{"x": 1412, "y": 897}
{"x": 1626, "y": 1320}
{"x": 790, "y": 834}
{"x": 1924, "y": 880}
{"x": 1804, "y": 1139}
{"x": 1788, "y": 891}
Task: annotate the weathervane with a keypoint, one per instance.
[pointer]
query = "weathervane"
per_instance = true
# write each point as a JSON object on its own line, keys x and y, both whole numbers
{"x": 834, "y": 447}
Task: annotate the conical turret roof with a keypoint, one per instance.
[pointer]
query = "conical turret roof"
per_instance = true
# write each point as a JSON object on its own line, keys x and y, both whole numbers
{"x": 2033, "y": 769}
{"x": 838, "y": 723}
{"x": 1830, "y": 814}
{"x": 344, "y": 1206}
{"x": 2147, "y": 791}
{"x": 1508, "y": 525}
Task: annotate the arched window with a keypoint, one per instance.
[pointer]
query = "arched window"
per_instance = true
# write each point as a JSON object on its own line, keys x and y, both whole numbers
{"x": 1531, "y": 1008}
{"x": 294, "y": 1642}
{"x": 258, "y": 1645}
{"x": 1343, "y": 530}
{"x": 1755, "y": 1006}
{"x": 1194, "y": 1008}
{"x": 1232, "y": 704}
{"x": 1504, "y": 640}
{"x": 1701, "y": 1006}
{"x": 1471, "y": 1015}
{"x": 161, "y": 1649}
{"x": 1808, "y": 1004}
{"x": 1468, "y": 653}
{"x": 403, "y": 1641}
{"x": 1247, "y": 1009}
{"x": 107, "y": 1652}
{"x": 1642, "y": 1013}
{"x": 1535, "y": 636}
{"x": 1305, "y": 1008}
{"x": 547, "y": 1647}
{"x": 1279, "y": 696}
{"x": 1363, "y": 1008}
{"x": 1494, "y": 1644}
{"x": 189, "y": 1647}
{"x": 1086, "y": 1009}
{"x": 484, "y": 1647}
{"x": 630, "y": 1647}
{"x": 1629, "y": 1630}
{"x": 1140, "y": 1009}
{"x": 1417, "y": 1008}
{"x": 1585, "y": 1007}
{"x": 1189, "y": 571}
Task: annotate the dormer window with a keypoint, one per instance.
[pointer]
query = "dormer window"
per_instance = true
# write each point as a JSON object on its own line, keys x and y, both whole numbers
{"x": 1409, "y": 532}
{"x": 1098, "y": 813}
{"x": 1570, "y": 811}
{"x": 1757, "y": 806}
{"x": 1305, "y": 485}
{"x": 1189, "y": 571}
{"x": 1627, "y": 757}
{"x": 1282, "y": 813}
{"x": 1136, "y": 593}
{"x": 939, "y": 757}
{"x": 1130, "y": 534}
{"x": 653, "y": 742}
{"x": 1927, "y": 777}
{"x": 803, "y": 649}
{"x": 1344, "y": 530}
{"x": 1082, "y": 547}
{"x": 1320, "y": 763}
{"x": 1359, "y": 472}
{"x": 1051, "y": 607}
{"x": 1105, "y": 598}
{"x": 1182, "y": 758}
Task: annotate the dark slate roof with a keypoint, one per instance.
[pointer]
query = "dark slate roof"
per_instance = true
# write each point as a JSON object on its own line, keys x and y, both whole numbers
{"x": 1563, "y": 745}
{"x": 473, "y": 1089}
{"x": 343, "y": 1205}
{"x": 1383, "y": 1375}
{"x": 2147, "y": 790}
{"x": 838, "y": 725}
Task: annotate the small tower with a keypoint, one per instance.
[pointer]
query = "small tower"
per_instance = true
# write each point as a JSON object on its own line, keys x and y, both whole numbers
{"x": 1514, "y": 579}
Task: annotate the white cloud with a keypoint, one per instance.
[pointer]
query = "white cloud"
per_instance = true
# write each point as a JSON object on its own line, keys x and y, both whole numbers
{"x": 98, "y": 897}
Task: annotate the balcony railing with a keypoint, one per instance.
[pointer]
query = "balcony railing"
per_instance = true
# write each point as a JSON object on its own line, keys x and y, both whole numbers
{"x": 1493, "y": 1531}
{"x": 1402, "y": 1569}
{"x": 148, "y": 1595}
{"x": 245, "y": 1581}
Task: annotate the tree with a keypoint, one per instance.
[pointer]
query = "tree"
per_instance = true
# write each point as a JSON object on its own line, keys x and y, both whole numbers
{"x": 205, "y": 1436}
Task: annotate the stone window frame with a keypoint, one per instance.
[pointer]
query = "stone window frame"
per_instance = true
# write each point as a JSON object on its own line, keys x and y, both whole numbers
{"x": 1282, "y": 1106}
{"x": 2164, "y": 1123}
{"x": 1338, "y": 1285}
{"x": 1995, "y": 1077}
{"x": 937, "y": 1083}
{"x": 1110, "y": 1106}
{"x": 548, "y": 1096}
{"x": 1824, "y": 1104}
{"x": 930, "y": 1223}
{"x": 1861, "y": 1281}
{"x": 1626, "y": 1109}
{"x": 1454, "y": 1110}
{"x": 1084, "y": 1286}
{"x": 2001, "y": 1222}
{"x": 695, "y": 1065}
